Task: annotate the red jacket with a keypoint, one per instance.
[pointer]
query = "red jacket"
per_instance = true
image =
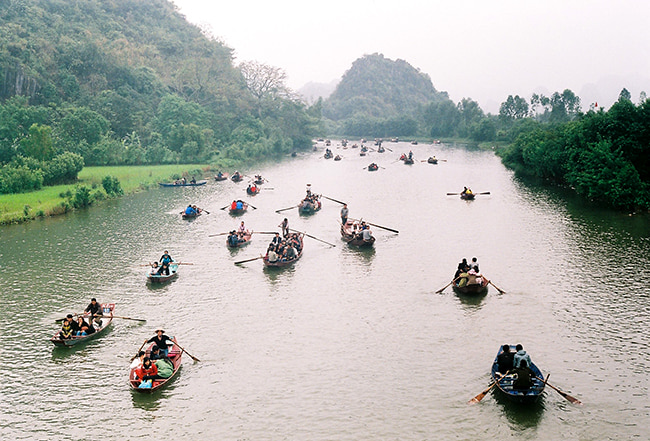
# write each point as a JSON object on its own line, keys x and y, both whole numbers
{"x": 142, "y": 371}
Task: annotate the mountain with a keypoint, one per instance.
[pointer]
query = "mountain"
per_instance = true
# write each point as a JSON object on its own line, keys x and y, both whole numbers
{"x": 311, "y": 91}
{"x": 379, "y": 87}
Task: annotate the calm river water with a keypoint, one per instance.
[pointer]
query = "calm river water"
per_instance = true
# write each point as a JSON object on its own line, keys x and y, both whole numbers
{"x": 347, "y": 344}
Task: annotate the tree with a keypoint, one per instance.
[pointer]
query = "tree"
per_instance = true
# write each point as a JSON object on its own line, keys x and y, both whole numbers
{"x": 264, "y": 81}
{"x": 625, "y": 95}
{"x": 38, "y": 143}
{"x": 515, "y": 107}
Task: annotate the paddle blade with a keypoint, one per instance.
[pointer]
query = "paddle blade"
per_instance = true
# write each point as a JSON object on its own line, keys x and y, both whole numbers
{"x": 479, "y": 397}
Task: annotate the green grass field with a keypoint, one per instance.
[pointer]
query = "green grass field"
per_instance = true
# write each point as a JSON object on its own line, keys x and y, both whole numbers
{"x": 48, "y": 201}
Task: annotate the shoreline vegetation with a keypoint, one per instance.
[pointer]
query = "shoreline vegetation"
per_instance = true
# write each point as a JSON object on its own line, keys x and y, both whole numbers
{"x": 91, "y": 188}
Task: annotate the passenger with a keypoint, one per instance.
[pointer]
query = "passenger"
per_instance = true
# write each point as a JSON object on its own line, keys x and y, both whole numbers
{"x": 190, "y": 210}
{"x": 524, "y": 376}
{"x": 84, "y": 328}
{"x": 240, "y": 205}
{"x": 67, "y": 329}
{"x": 520, "y": 356}
{"x": 271, "y": 254}
{"x": 410, "y": 154}
{"x": 154, "y": 353}
{"x": 276, "y": 239}
{"x": 474, "y": 264}
{"x": 137, "y": 361}
{"x": 233, "y": 206}
{"x": 469, "y": 191}
{"x": 291, "y": 252}
{"x": 366, "y": 234}
{"x": 197, "y": 209}
{"x": 505, "y": 359}
{"x": 464, "y": 190}
{"x": 95, "y": 311}
{"x": 232, "y": 239}
{"x": 148, "y": 371}
{"x": 242, "y": 227}
{"x": 220, "y": 174}
{"x": 463, "y": 267}
{"x": 154, "y": 268}
{"x": 160, "y": 339}
{"x": 164, "y": 269}
{"x": 183, "y": 180}
{"x": 192, "y": 181}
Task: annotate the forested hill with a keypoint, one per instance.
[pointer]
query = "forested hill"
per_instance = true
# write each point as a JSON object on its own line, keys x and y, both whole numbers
{"x": 378, "y": 87}
{"x": 131, "y": 81}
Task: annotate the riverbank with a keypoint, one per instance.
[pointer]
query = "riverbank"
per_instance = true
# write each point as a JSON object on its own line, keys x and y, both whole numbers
{"x": 52, "y": 201}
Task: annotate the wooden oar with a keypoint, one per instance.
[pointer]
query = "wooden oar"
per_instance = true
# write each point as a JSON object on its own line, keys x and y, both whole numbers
{"x": 220, "y": 234}
{"x": 183, "y": 349}
{"x": 452, "y": 194}
{"x": 482, "y": 395}
{"x": 498, "y": 289}
{"x": 136, "y": 352}
{"x": 342, "y": 203}
{"x": 564, "y": 394}
{"x": 251, "y": 205}
{"x": 285, "y": 209}
{"x": 379, "y": 226}
{"x": 249, "y": 260}
{"x": 183, "y": 263}
{"x": 265, "y": 232}
{"x": 203, "y": 209}
{"x": 320, "y": 240}
{"x": 268, "y": 188}
{"x": 445, "y": 287}
{"x": 223, "y": 208}
{"x": 125, "y": 318}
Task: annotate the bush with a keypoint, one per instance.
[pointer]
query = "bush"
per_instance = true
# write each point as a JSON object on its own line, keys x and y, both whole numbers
{"x": 81, "y": 197}
{"x": 112, "y": 186}
{"x": 62, "y": 169}
{"x": 19, "y": 179}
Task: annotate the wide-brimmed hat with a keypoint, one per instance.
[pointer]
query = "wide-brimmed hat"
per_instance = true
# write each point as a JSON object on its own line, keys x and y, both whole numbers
{"x": 160, "y": 330}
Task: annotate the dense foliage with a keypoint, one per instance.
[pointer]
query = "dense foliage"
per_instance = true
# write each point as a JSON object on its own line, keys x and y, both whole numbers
{"x": 130, "y": 82}
{"x": 604, "y": 156}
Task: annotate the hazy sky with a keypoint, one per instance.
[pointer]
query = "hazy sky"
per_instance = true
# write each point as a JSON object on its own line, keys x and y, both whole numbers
{"x": 481, "y": 49}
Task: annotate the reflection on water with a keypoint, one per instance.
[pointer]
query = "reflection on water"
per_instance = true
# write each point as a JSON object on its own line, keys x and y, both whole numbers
{"x": 520, "y": 417}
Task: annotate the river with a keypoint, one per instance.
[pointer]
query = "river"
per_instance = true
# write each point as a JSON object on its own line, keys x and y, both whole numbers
{"x": 346, "y": 344}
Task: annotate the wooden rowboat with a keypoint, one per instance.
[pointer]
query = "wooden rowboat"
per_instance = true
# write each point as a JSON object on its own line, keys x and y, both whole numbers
{"x": 161, "y": 278}
{"x": 309, "y": 207}
{"x": 240, "y": 243}
{"x": 190, "y": 216}
{"x": 253, "y": 190}
{"x": 350, "y": 234}
{"x": 505, "y": 383}
{"x": 107, "y": 309}
{"x": 180, "y": 184}
{"x": 175, "y": 353}
{"x": 223, "y": 177}
{"x": 432, "y": 160}
{"x": 236, "y": 177}
{"x": 467, "y": 196}
{"x": 373, "y": 167}
{"x": 409, "y": 161}
{"x": 283, "y": 263}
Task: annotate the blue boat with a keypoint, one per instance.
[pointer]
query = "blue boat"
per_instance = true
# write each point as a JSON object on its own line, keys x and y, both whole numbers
{"x": 505, "y": 383}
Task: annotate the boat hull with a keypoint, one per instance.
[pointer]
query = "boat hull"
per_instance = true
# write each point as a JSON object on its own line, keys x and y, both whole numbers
{"x": 474, "y": 289}
{"x": 187, "y": 184}
{"x": 284, "y": 263}
{"x": 348, "y": 236}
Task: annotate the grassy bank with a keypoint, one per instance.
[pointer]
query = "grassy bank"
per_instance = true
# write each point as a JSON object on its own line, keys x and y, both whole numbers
{"x": 51, "y": 201}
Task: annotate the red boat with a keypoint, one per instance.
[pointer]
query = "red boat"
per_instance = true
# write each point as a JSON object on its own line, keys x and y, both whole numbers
{"x": 175, "y": 353}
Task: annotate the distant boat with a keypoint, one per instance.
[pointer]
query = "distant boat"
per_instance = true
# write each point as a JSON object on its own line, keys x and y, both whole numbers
{"x": 107, "y": 310}
{"x": 162, "y": 278}
{"x": 182, "y": 184}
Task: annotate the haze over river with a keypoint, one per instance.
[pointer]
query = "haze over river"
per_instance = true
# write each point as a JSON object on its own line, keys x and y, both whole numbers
{"x": 346, "y": 344}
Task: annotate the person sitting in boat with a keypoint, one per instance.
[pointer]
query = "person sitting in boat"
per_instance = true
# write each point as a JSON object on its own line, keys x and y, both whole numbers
{"x": 183, "y": 180}
{"x": 271, "y": 254}
{"x": 84, "y": 328}
{"x": 276, "y": 239}
{"x": 233, "y": 240}
{"x": 165, "y": 261}
{"x": 197, "y": 209}
{"x": 366, "y": 234}
{"x": 67, "y": 328}
{"x": 505, "y": 359}
{"x": 523, "y": 376}
{"x": 154, "y": 268}
{"x": 220, "y": 174}
{"x": 190, "y": 211}
{"x": 468, "y": 192}
{"x": 520, "y": 356}
{"x": 163, "y": 269}
{"x": 137, "y": 360}
{"x": 291, "y": 252}
{"x": 160, "y": 339}
{"x": 464, "y": 190}
{"x": 147, "y": 371}
{"x": 192, "y": 181}
{"x": 155, "y": 354}
{"x": 463, "y": 267}
{"x": 474, "y": 264}
{"x": 240, "y": 204}
{"x": 94, "y": 309}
